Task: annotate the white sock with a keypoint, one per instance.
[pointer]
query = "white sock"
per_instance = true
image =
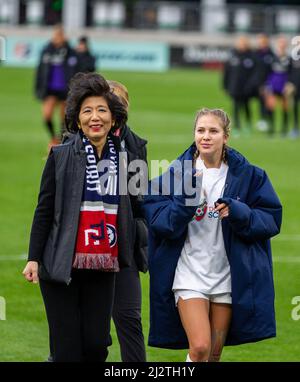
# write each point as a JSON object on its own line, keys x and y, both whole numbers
{"x": 188, "y": 358}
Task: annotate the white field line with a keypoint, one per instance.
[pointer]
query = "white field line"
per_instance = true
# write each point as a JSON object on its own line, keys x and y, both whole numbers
{"x": 284, "y": 237}
{"x": 13, "y": 257}
{"x": 286, "y": 259}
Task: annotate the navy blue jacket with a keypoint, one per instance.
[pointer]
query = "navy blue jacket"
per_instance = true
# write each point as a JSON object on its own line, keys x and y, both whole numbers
{"x": 255, "y": 216}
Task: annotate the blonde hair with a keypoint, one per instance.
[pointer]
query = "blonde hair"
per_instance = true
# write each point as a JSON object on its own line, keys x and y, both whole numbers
{"x": 219, "y": 113}
{"x": 120, "y": 91}
{"x": 225, "y": 124}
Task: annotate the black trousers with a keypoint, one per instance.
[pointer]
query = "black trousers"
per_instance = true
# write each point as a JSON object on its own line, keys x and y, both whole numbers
{"x": 296, "y": 111}
{"x": 79, "y": 316}
{"x": 127, "y": 315}
{"x": 262, "y": 107}
{"x": 241, "y": 105}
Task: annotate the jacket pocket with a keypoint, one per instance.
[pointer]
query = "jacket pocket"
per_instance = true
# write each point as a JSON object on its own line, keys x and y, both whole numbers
{"x": 242, "y": 287}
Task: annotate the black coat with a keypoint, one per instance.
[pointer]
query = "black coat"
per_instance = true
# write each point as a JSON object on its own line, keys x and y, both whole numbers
{"x": 55, "y": 223}
{"x": 294, "y": 75}
{"x": 238, "y": 74}
{"x": 86, "y": 62}
{"x": 136, "y": 149}
{"x": 264, "y": 60}
{"x": 50, "y": 54}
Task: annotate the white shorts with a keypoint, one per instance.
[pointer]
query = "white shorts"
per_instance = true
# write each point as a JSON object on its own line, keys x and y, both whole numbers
{"x": 185, "y": 294}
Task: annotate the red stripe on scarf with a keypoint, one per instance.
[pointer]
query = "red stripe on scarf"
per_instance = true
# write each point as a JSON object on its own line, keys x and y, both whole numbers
{"x": 97, "y": 244}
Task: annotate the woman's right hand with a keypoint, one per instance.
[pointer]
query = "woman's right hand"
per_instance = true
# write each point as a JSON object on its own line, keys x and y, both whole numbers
{"x": 31, "y": 272}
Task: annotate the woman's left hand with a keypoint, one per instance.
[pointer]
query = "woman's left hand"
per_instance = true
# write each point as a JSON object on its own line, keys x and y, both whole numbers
{"x": 223, "y": 210}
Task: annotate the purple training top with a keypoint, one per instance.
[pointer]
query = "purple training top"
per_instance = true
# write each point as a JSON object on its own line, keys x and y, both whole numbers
{"x": 276, "y": 81}
{"x": 57, "y": 79}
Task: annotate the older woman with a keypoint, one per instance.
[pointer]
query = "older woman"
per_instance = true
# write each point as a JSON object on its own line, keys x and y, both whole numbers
{"x": 82, "y": 230}
{"x": 210, "y": 262}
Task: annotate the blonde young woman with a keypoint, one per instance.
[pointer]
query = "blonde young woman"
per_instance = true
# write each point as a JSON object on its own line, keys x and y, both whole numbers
{"x": 210, "y": 264}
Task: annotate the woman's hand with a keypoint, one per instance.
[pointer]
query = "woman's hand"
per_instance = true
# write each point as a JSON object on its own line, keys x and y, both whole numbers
{"x": 31, "y": 272}
{"x": 223, "y": 210}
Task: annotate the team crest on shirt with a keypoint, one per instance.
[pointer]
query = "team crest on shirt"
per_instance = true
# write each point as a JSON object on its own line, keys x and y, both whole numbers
{"x": 201, "y": 211}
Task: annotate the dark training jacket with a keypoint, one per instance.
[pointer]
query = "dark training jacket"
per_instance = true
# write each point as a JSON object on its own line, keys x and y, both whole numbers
{"x": 264, "y": 59}
{"x": 136, "y": 149}
{"x": 294, "y": 76}
{"x": 49, "y": 55}
{"x": 86, "y": 62}
{"x": 239, "y": 72}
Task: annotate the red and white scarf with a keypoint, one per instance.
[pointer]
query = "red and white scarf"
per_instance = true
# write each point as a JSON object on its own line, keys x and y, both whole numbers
{"x": 97, "y": 241}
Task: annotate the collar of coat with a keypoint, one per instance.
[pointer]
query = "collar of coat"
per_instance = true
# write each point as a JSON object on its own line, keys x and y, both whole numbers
{"x": 75, "y": 140}
{"x": 235, "y": 160}
{"x": 126, "y": 133}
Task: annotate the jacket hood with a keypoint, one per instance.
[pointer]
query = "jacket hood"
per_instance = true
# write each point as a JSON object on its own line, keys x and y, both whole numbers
{"x": 236, "y": 161}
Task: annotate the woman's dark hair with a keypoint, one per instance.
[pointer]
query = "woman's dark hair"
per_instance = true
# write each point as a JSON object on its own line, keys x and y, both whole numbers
{"x": 84, "y": 85}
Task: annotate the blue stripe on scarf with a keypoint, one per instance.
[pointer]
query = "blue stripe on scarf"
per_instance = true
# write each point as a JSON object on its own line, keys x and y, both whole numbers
{"x": 97, "y": 246}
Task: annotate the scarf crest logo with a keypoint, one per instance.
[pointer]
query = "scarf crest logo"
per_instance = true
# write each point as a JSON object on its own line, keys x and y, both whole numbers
{"x": 98, "y": 234}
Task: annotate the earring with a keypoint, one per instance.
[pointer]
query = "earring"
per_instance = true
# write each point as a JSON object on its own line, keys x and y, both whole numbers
{"x": 79, "y": 126}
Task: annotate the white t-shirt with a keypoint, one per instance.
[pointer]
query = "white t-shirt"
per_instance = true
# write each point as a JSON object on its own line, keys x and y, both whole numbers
{"x": 203, "y": 265}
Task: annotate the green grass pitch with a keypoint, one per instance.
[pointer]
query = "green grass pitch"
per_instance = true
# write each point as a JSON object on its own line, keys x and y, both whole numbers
{"x": 162, "y": 109}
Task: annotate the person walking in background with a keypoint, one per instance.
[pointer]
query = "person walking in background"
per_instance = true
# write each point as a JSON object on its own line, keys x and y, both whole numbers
{"x": 128, "y": 294}
{"x": 83, "y": 231}
{"x": 264, "y": 57}
{"x": 57, "y": 65}
{"x": 86, "y": 61}
{"x": 275, "y": 86}
{"x": 210, "y": 262}
{"x": 238, "y": 83}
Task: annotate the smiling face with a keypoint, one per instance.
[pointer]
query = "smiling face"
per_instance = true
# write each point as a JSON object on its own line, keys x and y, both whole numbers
{"x": 210, "y": 137}
{"x": 95, "y": 119}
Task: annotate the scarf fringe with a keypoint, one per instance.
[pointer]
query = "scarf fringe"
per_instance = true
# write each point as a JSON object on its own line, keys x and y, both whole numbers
{"x": 102, "y": 262}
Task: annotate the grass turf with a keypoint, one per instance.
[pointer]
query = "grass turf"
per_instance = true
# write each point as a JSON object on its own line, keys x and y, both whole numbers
{"x": 162, "y": 109}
